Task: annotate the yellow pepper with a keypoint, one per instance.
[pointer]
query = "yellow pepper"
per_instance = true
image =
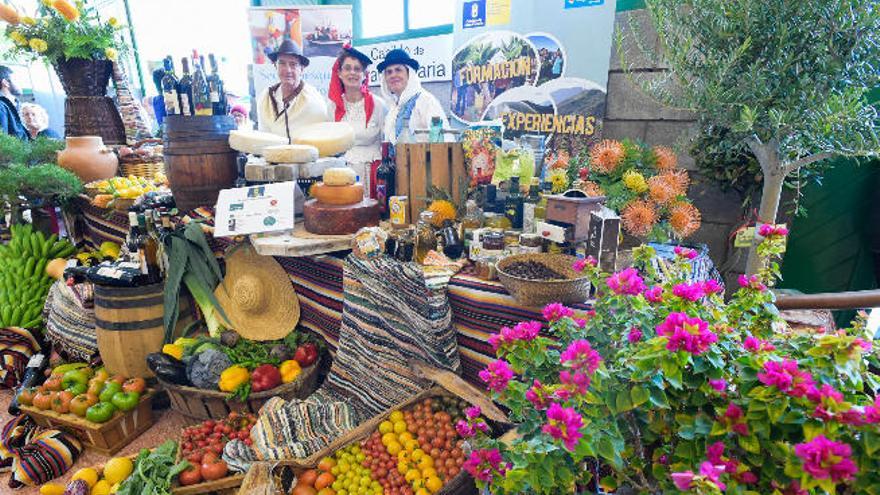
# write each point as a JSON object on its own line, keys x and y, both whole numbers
{"x": 173, "y": 350}
{"x": 289, "y": 371}
{"x": 233, "y": 377}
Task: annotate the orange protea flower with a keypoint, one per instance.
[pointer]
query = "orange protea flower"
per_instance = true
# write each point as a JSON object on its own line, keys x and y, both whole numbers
{"x": 660, "y": 191}
{"x": 665, "y": 158}
{"x": 66, "y": 9}
{"x": 443, "y": 210}
{"x": 639, "y": 217}
{"x": 591, "y": 188}
{"x": 606, "y": 155}
{"x": 9, "y": 14}
{"x": 684, "y": 218}
{"x": 677, "y": 180}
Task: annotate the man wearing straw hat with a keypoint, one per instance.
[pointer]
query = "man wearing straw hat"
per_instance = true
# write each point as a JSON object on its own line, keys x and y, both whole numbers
{"x": 291, "y": 102}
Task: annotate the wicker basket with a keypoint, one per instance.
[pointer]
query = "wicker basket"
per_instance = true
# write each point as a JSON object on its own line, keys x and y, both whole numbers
{"x": 210, "y": 404}
{"x": 535, "y": 293}
{"x": 146, "y": 170}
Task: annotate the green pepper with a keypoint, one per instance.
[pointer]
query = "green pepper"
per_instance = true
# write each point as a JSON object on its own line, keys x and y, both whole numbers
{"x": 126, "y": 401}
{"x": 100, "y": 412}
{"x": 110, "y": 389}
{"x": 74, "y": 377}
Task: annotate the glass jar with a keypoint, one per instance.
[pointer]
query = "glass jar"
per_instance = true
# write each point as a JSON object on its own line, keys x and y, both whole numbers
{"x": 531, "y": 243}
{"x": 495, "y": 221}
{"x": 493, "y": 240}
{"x": 511, "y": 240}
{"x": 425, "y": 238}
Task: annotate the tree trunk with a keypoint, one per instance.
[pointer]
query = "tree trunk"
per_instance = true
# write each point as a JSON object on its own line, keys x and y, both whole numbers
{"x": 774, "y": 177}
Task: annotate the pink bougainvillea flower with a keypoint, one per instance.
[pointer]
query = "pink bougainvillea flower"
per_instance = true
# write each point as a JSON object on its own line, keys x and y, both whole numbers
{"x": 523, "y": 331}
{"x": 634, "y": 335}
{"x": 486, "y": 464}
{"x": 580, "y": 355}
{"x": 825, "y": 394}
{"x": 497, "y": 375}
{"x": 537, "y": 395}
{"x": 872, "y": 412}
{"x": 712, "y": 286}
{"x": 713, "y": 473}
{"x": 752, "y": 282}
{"x": 683, "y": 480}
{"x": 787, "y": 377}
{"x": 574, "y": 382}
{"x": 690, "y": 334}
{"x": 564, "y": 423}
{"x": 824, "y": 458}
{"x": 719, "y": 385}
{"x": 767, "y": 230}
{"x": 556, "y": 311}
{"x": 690, "y": 292}
{"x": 862, "y": 344}
{"x": 627, "y": 282}
{"x": 473, "y": 412}
{"x": 753, "y": 344}
{"x": 685, "y": 252}
{"x": 582, "y": 263}
{"x": 734, "y": 420}
{"x": 464, "y": 429}
{"x": 654, "y": 294}
{"x": 580, "y": 322}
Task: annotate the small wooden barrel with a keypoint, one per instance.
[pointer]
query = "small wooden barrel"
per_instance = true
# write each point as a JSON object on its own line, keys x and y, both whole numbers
{"x": 198, "y": 159}
{"x": 129, "y": 325}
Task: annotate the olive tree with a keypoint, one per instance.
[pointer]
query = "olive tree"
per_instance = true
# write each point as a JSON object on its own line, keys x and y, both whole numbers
{"x": 784, "y": 79}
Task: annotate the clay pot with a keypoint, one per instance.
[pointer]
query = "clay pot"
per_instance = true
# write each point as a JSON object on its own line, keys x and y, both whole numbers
{"x": 88, "y": 158}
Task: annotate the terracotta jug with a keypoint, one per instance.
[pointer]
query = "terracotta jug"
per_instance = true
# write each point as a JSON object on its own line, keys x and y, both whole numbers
{"x": 88, "y": 158}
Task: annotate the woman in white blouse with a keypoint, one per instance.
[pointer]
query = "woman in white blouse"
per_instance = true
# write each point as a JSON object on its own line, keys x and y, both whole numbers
{"x": 351, "y": 101}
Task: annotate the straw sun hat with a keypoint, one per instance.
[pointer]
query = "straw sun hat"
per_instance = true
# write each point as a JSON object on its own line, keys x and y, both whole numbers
{"x": 257, "y": 296}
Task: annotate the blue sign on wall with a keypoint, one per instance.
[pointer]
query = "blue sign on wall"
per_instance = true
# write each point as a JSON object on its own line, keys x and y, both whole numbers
{"x": 574, "y": 4}
{"x": 474, "y": 14}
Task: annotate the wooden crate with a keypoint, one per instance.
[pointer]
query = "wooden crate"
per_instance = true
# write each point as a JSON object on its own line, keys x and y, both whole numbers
{"x": 420, "y": 165}
{"x": 107, "y": 438}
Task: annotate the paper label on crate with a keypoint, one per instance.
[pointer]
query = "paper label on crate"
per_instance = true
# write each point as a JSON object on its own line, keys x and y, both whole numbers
{"x": 255, "y": 210}
{"x": 744, "y": 238}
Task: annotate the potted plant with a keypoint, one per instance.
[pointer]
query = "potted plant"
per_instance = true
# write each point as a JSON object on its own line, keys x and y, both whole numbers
{"x": 672, "y": 389}
{"x": 82, "y": 48}
{"x": 786, "y": 81}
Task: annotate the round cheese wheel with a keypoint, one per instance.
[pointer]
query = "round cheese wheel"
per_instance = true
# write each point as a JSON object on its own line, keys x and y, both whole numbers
{"x": 253, "y": 141}
{"x": 339, "y": 176}
{"x": 290, "y": 153}
{"x": 331, "y": 138}
{"x": 339, "y": 220}
{"x": 337, "y": 195}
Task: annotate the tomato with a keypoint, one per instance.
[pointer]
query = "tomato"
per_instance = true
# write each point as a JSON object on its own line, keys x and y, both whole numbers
{"x": 117, "y": 379}
{"x": 61, "y": 402}
{"x": 191, "y": 476}
{"x": 195, "y": 459}
{"x": 79, "y": 404}
{"x": 135, "y": 385}
{"x": 26, "y": 397}
{"x": 126, "y": 401}
{"x": 102, "y": 374}
{"x": 214, "y": 470}
{"x": 100, "y": 412}
{"x": 303, "y": 490}
{"x": 324, "y": 480}
{"x": 248, "y": 441}
{"x": 307, "y": 477}
{"x": 110, "y": 389}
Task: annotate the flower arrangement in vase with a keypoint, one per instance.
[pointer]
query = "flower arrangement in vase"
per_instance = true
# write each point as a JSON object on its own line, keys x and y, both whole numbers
{"x": 643, "y": 184}
{"x": 670, "y": 389}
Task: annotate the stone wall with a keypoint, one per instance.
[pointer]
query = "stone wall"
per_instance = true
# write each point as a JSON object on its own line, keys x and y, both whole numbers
{"x": 632, "y": 114}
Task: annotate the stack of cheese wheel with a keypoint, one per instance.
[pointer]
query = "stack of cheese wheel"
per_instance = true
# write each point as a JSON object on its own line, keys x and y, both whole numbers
{"x": 338, "y": 205}
{"x": 290, "y": 153}
{"x": 330, "y": 138}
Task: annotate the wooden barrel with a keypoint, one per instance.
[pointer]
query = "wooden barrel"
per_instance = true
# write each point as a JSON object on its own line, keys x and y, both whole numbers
{"x": 129, "y": 325}
{"x": 198, "y": 159}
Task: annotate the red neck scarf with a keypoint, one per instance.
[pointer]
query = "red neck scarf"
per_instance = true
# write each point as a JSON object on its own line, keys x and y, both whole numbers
{"x": 336, "y": 94}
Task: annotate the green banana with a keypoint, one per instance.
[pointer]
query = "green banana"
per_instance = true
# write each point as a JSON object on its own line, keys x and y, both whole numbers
{"x": 68, "y": 250}
{"x": 64, "y": 368}
{"x": 40, "y": 270}
{"x": 15, "y": 318}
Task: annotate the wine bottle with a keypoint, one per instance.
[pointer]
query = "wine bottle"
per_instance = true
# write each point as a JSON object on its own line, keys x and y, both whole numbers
{"x": 385, "y": 180}
{"x": 184, "y": 89}
{"x": 530, "y": 206}
{"x": 215, "y": 88}
{"x": 201, "y": 97}
{"x": 169, "y": 89}
{"x": 513, "y": 204}
{"x": 35, "y": 367}
{"x": 149, "y": 246}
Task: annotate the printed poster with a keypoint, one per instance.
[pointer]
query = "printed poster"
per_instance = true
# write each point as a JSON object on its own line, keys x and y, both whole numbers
{"x": 543, "y": 74}
{"x": 321, "y": 31}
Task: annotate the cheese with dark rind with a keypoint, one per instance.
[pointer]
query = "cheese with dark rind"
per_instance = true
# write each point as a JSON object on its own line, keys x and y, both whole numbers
{"x": 340, "y": 220}
{"x": 337, "y": 195}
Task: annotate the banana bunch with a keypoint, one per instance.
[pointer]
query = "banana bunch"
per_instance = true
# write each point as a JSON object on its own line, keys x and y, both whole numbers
{"x": 23, "y": 279}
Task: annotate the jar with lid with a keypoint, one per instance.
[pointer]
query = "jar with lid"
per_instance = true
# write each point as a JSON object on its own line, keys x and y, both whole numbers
{"x": 493, "y": 241}
{"x": 495, "y": 221}
{"x": 425, "y": 238}
{"x": 531, "y": 243}
{"x": 511, "y": 240}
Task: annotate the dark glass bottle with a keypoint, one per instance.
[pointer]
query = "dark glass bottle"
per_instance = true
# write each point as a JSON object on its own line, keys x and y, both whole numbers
{"x": 385, "y": 176}
{"x": 201, "y": 96}
{"x": 513, "y": 204}
{"x": 530, "y": 205}
{"x": 184, "y": 89}
{"x": 169, "y": 89}
{"x": 215, "y": 88}
{"x": 149, "y": 248}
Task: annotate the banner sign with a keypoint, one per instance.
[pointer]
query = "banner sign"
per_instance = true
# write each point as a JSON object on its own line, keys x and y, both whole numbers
{"x": 321, "y": 31}
{"x": 434, "y": 54}
{"x": 543, "y": 73}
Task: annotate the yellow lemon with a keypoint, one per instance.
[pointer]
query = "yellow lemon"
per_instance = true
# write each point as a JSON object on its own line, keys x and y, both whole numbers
{"x": 396, "y": 416}
{"x": 52, "y": 489}
{"x": 399, "y": 427}
{"x": 89, "y": 475}
{"x": 117, "y": 469}
{"x": 101, "y": 488}
{"x": 394, "y": 448}
{"x": 386, "y": 427}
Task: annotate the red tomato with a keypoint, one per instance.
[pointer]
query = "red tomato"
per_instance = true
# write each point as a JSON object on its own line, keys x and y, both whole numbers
{"x": 191, "y": 476}
{"x": 214, "y": 470}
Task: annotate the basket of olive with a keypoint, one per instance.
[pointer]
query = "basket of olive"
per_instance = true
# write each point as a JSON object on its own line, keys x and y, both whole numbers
{"x": 537, "y": 279}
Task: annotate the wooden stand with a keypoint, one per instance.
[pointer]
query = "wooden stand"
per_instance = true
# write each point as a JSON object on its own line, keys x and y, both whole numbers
{"x": 421, "y": 165}
{"x": 107, "y": 438}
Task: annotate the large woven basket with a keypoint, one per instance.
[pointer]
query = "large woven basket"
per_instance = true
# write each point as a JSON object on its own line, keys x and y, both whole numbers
{"x": 211, "y": 404}
{"x": 84, "y": 77}
{"x": 575, "y": 288}
{"x": 147, "y": 170}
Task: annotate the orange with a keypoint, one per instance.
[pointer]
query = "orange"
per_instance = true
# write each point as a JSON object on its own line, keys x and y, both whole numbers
{"x": 307, "y": 477}
{"x": 324, "y": 480}
{"x": 326, "y": 464}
